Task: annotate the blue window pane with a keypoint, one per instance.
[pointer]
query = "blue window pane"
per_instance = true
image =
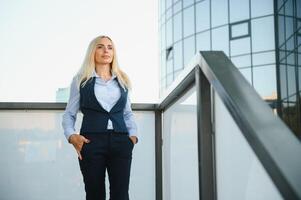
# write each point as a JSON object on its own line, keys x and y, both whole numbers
{"x": 162, "y": 6}
{"x": 203, "y": 41}
{"x": 188, "y": 21}
{"x": 168, "y": 33}
{"x": 291, "y": 77}
{"x": 261, "y": 8}
{"x": 168, "y": 13}
{"x": 202, "y": 16}
{"x": 290, "y": 59}
{"x": 168, "y": 3}
{"x": 289, "y": 28}
{"x": 189, "y": 49}
{"x": 280, "y": 3}
{"x": 242, "y": 61}
{"x": 263, "y": 34}
{"x": 220, "y": 39}
{"x": 163, "y": 64}
{"x": 240, "y": 30}
{"x": 178, "y": 56}
{"x": 290, "y": 44}
{"x": 247, "y": 73}
{"x": 281, "y": 29}
{"x": 239, "y": 10}
{"x": 219, "y": 12}
{"x": 169, "y": 68}
{"x": 240, "y": 46}
{"x": 283, "y": 82}
{"x": 264, "y": 80}
{"x": 177, "y": 27}
{"x": 298, "y": 6}
{"x": 187, "y": 3}
{"x": 289, "y": 8}
{"x": 264, "y": 58}
{"x": 163, "y": 41}
{"x": 169, "y": 79}
{"x": 177, "y": 7}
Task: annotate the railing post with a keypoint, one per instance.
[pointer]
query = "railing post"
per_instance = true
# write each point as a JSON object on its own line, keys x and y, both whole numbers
{"x": 205, "y": 141}
{"x": 158, "y": 153}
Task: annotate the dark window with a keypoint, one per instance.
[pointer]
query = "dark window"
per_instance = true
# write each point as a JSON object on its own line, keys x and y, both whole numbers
{"x": 240, "y": 29}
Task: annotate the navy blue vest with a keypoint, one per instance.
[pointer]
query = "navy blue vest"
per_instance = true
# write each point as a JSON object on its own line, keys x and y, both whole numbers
{"x": 95, "y": 117}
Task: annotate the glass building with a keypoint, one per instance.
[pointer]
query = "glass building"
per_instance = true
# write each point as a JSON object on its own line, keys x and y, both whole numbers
{"x": 261, "y": 37}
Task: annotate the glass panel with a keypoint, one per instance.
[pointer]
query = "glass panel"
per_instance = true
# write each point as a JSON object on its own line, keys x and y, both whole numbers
{"x": 39, "y": 163}
{"x": 247, "y": 73}
{"x": 168, "y": 13}
{"x": 263, "y": 34}
{"x": 239, "y": 173}
{"x": 283, "y": 82}
{"x": 202, "y": 16}
{"x": 291, "y": 77}
{"x": 242, "y": 61}
{"x": 280, "y": 3}
{"x": 203, "y": 41}
{"x": 177, "y": 27}
{"x": 187, "y": 3}
{"x": 168, "y": 3}
{"x": 163, "y": 39}
{"x": 169, "y": 79}
{"x": 290, "y": 59}
{"x": 178, "y": 56}
{"x": 264, "y": 80}
{"x": 163, "y": 64}
{"x": 240, "y": 46}
{"x": 169, "y": 68}
{"x": 289, "y": 22}
{"x": 290, "y": 44}
{"x": 180, "y": 149}
{"x": 188, "y": 21}
{"x": 241, "y": 29}
{"x": 264, "y": 58}
{"x": 177, "y": 7}
{"x": 189, "y": 49}
{"x": 220, "y": 39}
{"x": 289, "y": 8}
{"x": 298, "y": 5}
{"x": 168, "y": 33}
{"x": 261, "y": 8}
{"x": 162, "y": 6}
{"x": 239, "y": 10}
{"x": 281, "y": 30}
{"x": 219, "y": 12}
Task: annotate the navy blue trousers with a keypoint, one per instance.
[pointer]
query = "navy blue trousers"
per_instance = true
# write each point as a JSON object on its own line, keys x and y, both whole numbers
{"x": 106, "y": 151}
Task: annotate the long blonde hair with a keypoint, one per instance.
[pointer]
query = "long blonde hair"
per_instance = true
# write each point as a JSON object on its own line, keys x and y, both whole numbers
{"x": 88, "y": 66}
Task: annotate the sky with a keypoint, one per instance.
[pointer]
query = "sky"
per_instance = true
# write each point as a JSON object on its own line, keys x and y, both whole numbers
{"x": 43, "y": 44}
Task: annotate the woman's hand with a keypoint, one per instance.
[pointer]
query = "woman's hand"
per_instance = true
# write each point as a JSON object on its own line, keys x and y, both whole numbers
{"x": 134, "y": 139}
{"x": 78, "y": 141}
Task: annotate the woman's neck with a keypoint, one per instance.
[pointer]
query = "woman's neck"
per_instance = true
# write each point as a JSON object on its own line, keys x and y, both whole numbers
{"x": 103, "y": 71}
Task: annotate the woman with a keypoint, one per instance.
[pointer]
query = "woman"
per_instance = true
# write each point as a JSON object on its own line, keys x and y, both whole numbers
{"x": 108, "y": 132}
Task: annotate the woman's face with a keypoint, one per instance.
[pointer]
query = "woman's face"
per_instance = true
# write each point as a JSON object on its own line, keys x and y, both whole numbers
{"x": 104, "y": 51}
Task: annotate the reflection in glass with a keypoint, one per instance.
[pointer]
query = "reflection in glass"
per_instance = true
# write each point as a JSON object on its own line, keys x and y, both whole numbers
{"x": 291, "y": 79}
{"x": 239, "y": 30}
{"x": 260, "y": 8}
{"x": 168, "y": 32}
{"x": 189, "y": 49}
{"x": 177, "y": 25}
{"x": 263, "y": 34}
{"x": 239, "y": 10}
{"x": 266, "y": 89}
{"x": 220, "y": 39}
{"x": 187, "y": 3}
{"x": 219, "y": 10}
{"x": 264, "y": 58}
{"x": 242, "y": 61}
{"x": 178, "y": 56}
{"x": 289, "y": 27}
{"x": 202, "y": 16}
{"x": 240, "y": 46}
{"x": 203, "y": 41}
{"x": 283, "y": 82}
{"x": 188, "y": 15}
{"x": 177, "y": 7}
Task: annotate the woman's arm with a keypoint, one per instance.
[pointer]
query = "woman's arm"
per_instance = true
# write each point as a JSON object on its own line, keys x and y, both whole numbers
{"x": 69, "y": 116}
{"x": 130, "y": 120}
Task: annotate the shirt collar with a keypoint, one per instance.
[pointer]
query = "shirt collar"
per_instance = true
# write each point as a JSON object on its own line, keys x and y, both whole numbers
{"x": 94, "y": 74}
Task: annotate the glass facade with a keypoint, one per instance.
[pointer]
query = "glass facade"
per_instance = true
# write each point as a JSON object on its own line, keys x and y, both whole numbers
{"x": 262, "y": 42}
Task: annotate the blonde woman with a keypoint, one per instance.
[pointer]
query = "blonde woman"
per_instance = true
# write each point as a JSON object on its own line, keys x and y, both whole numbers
{"x": 108, "y": 131}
